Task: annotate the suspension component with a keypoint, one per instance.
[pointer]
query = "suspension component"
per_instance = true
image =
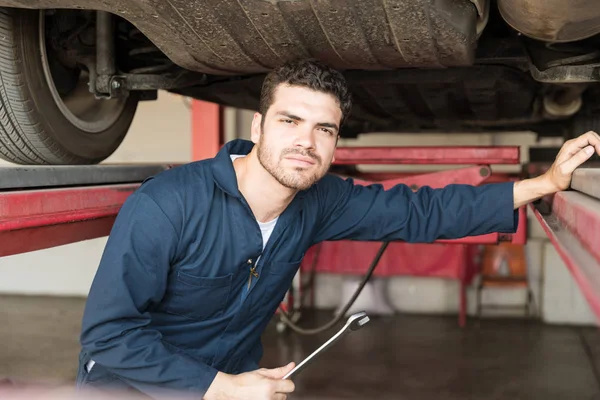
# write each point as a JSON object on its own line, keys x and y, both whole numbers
{"x": 153, "y": 59}
{"x": 105, "y": 54}
{"x": 150, "y": 69}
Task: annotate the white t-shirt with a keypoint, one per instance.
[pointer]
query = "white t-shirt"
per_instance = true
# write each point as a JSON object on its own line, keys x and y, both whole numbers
{"x": 266, "y": 228}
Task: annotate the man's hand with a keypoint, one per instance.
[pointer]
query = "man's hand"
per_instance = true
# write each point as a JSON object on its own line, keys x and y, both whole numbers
{"x": 262, "y": 384}
{"x": 572, "y": 154}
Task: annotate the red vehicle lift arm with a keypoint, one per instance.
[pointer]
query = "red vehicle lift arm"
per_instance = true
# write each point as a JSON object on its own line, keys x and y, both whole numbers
{"x": 481, "y": 157}
{"x": 42, "y": 207}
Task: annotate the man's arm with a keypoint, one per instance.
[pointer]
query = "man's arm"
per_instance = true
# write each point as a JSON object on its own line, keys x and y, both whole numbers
{"x": 131, "y": 279}
{"x": 370, "y": 213}
{"x": 529, "y": 190}
{"x": 572, "y": 154}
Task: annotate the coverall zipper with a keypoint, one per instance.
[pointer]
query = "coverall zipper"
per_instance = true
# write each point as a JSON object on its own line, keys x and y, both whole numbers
{"x": 252, "y": 273}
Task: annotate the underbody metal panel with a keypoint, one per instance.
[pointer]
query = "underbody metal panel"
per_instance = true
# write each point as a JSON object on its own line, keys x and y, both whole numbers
{"x": 253, "y": 36}
{"x": 460, "y": 99}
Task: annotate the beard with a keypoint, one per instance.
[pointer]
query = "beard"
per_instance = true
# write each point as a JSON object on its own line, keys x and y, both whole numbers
{"x": 291, "y": 178}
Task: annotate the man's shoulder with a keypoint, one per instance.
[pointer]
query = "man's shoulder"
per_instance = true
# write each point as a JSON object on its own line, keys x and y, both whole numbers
{"x": 180, "y": 189}
{"x": 331, "y": 182}
{"x": 179, "y": 180}
{"x": 329, "y": 187}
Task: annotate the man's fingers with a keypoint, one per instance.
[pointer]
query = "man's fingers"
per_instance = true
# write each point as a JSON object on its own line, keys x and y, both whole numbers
{"x": 595, "y": 134}
{"x": 276, "y": 373}
{"x": 568, "y": 149}
{"x": 284, "y": 386}
{"x": 588, "y": 138}
{"x": 579, "y": 158}
{"x": 573, "y": 146}
{"x": 594, "y": 140}
{"x": 597, "y": 146}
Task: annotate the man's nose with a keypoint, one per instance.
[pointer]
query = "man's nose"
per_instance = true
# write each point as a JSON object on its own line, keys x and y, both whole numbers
{"x": 305, "y": 138}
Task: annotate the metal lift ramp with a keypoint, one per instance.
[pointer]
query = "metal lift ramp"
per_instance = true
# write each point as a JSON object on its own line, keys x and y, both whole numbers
{"x": 47, "y": 206}
{"x": 571, "y": 219}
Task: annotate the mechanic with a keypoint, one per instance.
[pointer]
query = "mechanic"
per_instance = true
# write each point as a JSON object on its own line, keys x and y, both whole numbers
{"x": 201, "y": 255}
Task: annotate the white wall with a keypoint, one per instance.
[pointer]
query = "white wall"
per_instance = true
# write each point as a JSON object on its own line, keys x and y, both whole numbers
{"x": 161, "y": 132}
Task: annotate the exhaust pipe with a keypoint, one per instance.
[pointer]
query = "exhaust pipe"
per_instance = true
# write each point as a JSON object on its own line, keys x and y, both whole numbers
{"x": 554, "y": 21}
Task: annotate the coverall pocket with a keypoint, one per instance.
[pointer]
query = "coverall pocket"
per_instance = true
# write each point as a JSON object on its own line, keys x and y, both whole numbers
{"x": 279, "y": 280}
{"x": 198, "y": 297}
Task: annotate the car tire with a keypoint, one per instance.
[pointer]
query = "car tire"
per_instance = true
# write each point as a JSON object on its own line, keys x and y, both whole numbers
{"x": 40, "y": 124}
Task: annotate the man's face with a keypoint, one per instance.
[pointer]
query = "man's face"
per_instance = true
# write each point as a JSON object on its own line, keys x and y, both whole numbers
{"x": 297, "y": 141}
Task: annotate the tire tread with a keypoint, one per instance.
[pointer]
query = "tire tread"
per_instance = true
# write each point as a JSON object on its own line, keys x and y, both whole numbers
{"x": 22, "y": 136}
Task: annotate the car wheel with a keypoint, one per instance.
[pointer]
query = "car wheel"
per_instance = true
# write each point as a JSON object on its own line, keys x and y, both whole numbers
{"x": 47, "y": 114}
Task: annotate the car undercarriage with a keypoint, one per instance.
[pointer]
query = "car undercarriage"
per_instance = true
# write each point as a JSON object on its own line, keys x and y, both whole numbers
{"x": 412, "y": 66}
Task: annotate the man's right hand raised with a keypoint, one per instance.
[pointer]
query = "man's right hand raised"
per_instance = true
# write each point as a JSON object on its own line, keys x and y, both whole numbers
{"x": 261, "y": 384}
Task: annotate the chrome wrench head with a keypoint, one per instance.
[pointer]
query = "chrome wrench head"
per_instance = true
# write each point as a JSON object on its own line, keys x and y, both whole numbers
{"x": 354, "y": 323}
{"x": 357, "y": 321}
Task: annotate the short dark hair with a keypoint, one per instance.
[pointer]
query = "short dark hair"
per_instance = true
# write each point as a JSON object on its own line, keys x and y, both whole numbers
{"x": 308, "y": 73}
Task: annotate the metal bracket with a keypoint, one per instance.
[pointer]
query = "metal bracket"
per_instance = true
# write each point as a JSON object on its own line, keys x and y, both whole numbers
{"x": 120, "y": 85}
{"x": 568, "y": 74}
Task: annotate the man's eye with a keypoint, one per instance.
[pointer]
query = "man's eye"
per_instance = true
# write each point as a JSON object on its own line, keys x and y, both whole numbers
{"x": 328, "y": 131}
{"x": 288, "y": 121}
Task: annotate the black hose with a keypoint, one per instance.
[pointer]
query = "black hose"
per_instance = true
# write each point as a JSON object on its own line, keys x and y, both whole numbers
{"x": 287, "y": 320}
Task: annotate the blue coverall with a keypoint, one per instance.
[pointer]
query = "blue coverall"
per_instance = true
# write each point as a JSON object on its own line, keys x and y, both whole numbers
{"x": 171, "y": 302}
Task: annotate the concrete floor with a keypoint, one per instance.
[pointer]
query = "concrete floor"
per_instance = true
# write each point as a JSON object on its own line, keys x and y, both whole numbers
{"x": 401, "y": 357}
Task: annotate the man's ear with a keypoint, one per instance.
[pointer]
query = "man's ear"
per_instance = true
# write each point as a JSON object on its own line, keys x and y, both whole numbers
{"x": 255, "y": 130}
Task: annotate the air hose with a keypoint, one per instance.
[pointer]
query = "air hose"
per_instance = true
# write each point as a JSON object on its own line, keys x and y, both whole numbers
{"x": 302, "y": 331}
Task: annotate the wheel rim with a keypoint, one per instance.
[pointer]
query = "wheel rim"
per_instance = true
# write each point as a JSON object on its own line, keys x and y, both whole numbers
{"x": 79, "y": 106}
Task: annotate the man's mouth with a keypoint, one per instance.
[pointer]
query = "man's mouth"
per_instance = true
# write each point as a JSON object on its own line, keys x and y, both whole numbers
{"x": 301, "y": 160}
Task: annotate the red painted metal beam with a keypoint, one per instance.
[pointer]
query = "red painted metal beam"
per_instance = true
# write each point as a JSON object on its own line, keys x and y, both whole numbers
{"x": 469, "y": 175}
{"x": 39, "y": 219}
{"x": 44, "y": 237}
{"x": 428, "y": 155}
{"x": 207, "y": 129}
{"x": 572, "y": 222}
{"x": 384, "y": 176}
